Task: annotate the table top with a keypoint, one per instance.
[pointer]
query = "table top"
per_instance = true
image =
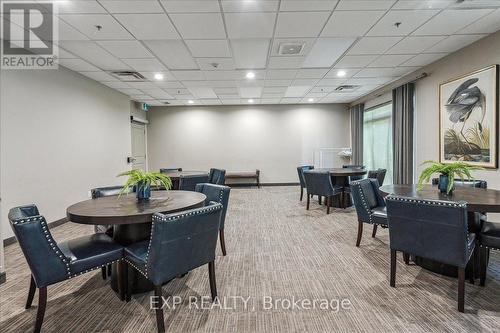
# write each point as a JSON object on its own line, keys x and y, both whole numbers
{"x": 176, "y": 174}
{"x": 341, "y": 171}
{"x": 126, "y": 209}
{"x": 478, "y": 199}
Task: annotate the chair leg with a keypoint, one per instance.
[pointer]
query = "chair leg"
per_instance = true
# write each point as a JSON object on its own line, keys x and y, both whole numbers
{"x": 211, "y": 277}
{"x": 461, "y": 289}
{"x": 472, "y": 272}
{"x": 122, "y": 279}
{"x": 308, "y": 200}
{"x": 104, "y": 273}
{"x": 222, "y": 242}
{"x": 360, "y": 233}
{"x": 320, "y": 199}
{"x": 42, "y": 304}
{"x": 483, "y": 266}
{"x": 301, "y": 193}
{"x": 328, "y": 203}
{"x": 109, "y": 270}
{"x": 31, "y": 293}
{"x": 393, "y": 268}
{"x": 130, "y": 283}
{"x": 374, "y": 232}
{"x": 406, "y": 258}
{"x": 160, "y": 321}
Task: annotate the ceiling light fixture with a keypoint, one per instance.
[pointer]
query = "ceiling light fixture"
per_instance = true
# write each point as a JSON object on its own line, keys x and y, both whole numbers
{"x": 250, "y": 75}
{"x": 250, "y": 101}
{"x": 310, "y": 100}
{"x": 341, "y": 73}
{"x": 190, "y": 102}
{"x": 158, "y": 76}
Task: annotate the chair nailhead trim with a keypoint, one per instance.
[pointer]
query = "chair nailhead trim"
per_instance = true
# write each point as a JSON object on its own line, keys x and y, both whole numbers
{"x": 94, "y": 268}
{"x": 137, "y": 268}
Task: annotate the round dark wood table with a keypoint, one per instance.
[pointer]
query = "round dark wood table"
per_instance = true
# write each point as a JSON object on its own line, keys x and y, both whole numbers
{"x": 176, "y": 175}
{"x": 340, "y": 177}
{"x": 131, "y": 220}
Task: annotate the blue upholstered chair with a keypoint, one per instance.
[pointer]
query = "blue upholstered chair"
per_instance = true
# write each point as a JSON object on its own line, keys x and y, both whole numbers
{"x": 165, "y": 170}
{"x": 489, "y": 238}
{"x": 370, "y": 206}
{"x": 179, "y": 243}
{"x": 217, "y": 176}
{"x": 188, "y": 183}
{"x": 378, "y": 174}
{"x": 220, "y": 194}
{"x": 436, "y": 230}
{"x": 51, "y": 262}
{"x": 354, "y": 166}
{"x": 320, "y": 184}
{"x": 302, "y": 181}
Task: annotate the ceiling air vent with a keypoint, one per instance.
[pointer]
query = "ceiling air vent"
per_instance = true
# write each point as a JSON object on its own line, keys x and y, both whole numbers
{"x": 346, "y": 88}
{"x": 128, "y": 76}
{"x": 290, "y": 48}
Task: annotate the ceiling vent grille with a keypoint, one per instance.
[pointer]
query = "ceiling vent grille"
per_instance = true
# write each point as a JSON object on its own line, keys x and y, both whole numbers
{"x": 128, "y": 76}
{"x": 292, "y": 48}
{"x": 346, "y": 88}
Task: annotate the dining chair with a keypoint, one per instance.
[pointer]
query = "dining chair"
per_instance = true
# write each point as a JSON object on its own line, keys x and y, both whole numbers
{"x": 220, "y": 194}
{"x": 369, "y": 204}
{"x": 188, "y": 182}
{"x": 51, "y": 262}
{"x": 217, "y": 176}
{"x": 489, "y": 238}
{"x": 179, "y": 243}
{"x": 378, "y": 174}
{"x": 302, "y": 181}
{"x": 165, "y": 170}
{"x": 320, "y": 184}
{"x": 431, "y": 229}
{"x": 354, "y": 166}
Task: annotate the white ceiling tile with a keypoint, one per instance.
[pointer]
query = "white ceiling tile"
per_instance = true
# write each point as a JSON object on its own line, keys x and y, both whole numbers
{"x": 250, "y": 83}
{"x": 226, "y": 91}
{"x": 281, "y": 74}
{"x": 215, "y": 64}
{"x": 365, "y": 4}
{"x": 324, "y": 89}
{"x": 307, "y": 6}
{"x": 173, "y": 53}
{"x": 202, "y": 92}
{"x": 158, "y": 26}
{"x": 249, "y": 6}
{"x": 274, "y": 90}
{"x": 487, "y": 24}
{"x": 373, "y": 45}
{"x": 384, "y": 72}
{"x": 390, "y": 60}
{"x": 131, "y": 6}
{"x": 199, "y": 25}
{"x": 331, "y": 82}
{"x": 224, "y": 75}
{"x": 277, "y": 83}
{"x": 210, "y": 101}
{"x": 422, "y": 4}
{"x": 453, "y": 43}
{"x": 347, "y": 72}
{"x": 291, "y": 100}
{"x": 67, "y": 32}
{"x": 86, "y": 24}
{"x": 250, "y": 25}
{"x": 213, "y": 84}
{"x": 188, "y": 6}
{"x": 209, "y": 48}
{"x": 188, "y": 75}
{"x": 158, "y": 93}
{"x": 351, "y": 23}
{"x": 305, "y": 82}
{"x": 169, "y": 84}
{"x": 326, "y": 51}
{"x": 410, "y": 20}
{"x": 316, "y": 94}
{"x": 99, "y": 76}
{"x": 285, "y": 62}
{"x": 449, "y": 21}
{"x": 149, "y": 65}
{"x": 300, "y": 24}
{"x": 355, "y": 61}
{"x": 423, "y": 59}
{"x": 297, "y": 91}
{"x": 117, "y": 85}
{"x": 77, "y": 65}
{"x": 125, "y": 49}
{"x": 250, "y": 53}
{"x": 177, "y": 92}
{"x": 63, "y": 54}
{"x": 250, "y": 92}
{"x": 414, "y": 44}
{"x": 142, "y": 85}
{"x": 80, "y": 7}
{"x": 312, "y": 73}
{"x": 94, "y": 54}
{"x": 368, "y": 87}
{"x": 369, "y": 80}
{"x": 167, "y": 76}
{"x": 131, "y": 92}
{"x": 272, "y": 95}
{"x": 270, "y": 100}
{"x": 475, "y": 4}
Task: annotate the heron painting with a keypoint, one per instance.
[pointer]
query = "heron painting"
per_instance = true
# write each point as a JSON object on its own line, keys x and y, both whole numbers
{"x": 468, "y": 118}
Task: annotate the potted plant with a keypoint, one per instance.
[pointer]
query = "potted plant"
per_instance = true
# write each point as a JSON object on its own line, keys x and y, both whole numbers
{"x": 447, "y": 174}
{"x": 142, "y": 182}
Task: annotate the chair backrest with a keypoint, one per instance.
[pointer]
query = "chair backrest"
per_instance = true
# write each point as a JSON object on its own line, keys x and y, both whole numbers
{"x": 182, "y": 241}
{"x": 353, "y": 166}
{"x": 366, "y": 196}
{"x": 217, "y": 176}
{"x": 476, "y": 183}
{"x": 435, "y": 230}
{"x": 300, "y": 171}
{"x": 165, "y": 170}
{"x": 319, "y": 183}
{"x": 188, "y": 183}
{"x": 108, "y": 191}
{"x": 47, "y": 263}
{"x": 378, "y": 174}
{"x": 216, "y": 193}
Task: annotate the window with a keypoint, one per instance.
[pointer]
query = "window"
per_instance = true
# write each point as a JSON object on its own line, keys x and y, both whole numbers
{"x": 377, "y": 139}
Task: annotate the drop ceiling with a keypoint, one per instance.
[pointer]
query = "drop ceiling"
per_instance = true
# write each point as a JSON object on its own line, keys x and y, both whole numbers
{"x": 205, "y": 48}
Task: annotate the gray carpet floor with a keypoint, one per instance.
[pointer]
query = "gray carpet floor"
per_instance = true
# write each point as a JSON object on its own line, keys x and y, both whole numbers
{"x": 276, "y": 251}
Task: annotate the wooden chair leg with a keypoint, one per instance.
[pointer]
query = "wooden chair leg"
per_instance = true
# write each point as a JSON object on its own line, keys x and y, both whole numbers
{"x": 109, "y": 269}
{"x": 461, "y": 289}
{"x": 360, "y": 233}
{"x": 211, "y": 277}
{"x": 320, "y": 199}
{"x": 374, "y": 232}
{"x": 222, "y": 242}
{"x": 42, "y": 304}
{"x": 393, "y": 268}
{"x": 483, "y": 266}
{"x": 472, "y": 272}
{"x": 130, "y": 283}
{"x": 328, "y": 204}
{"x": 406, "y": 258}
{"x": 104, "y": 273}
{"x": 308, "y": 200}
{"x": 122, "y": 279}
{"x": 301, "y": 193}
{"x": 160, "y": 321}
{"x": 31, "y": 293}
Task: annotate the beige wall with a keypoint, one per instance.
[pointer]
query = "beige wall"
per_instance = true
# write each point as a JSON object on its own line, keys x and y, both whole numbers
{"x": 61, "y": 134}
{"x": 274, "y": 139}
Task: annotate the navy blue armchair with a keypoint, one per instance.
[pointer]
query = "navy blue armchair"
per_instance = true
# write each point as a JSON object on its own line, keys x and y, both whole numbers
{"x": 489, "y": 238}
{"x": 302, "y": 181}
{"x": 435, "y": 230}
{"x": 165, "y": 170}
{"x": 51, "y": 262}
{"x": 188, "y": 183}
{"x": 220, "y": 194}
{"x": 320, "y": 184}
{"x": 378, "y": 174}
{"x": 217, "y": 176}
{"x": 370, "y": 206}
{"x": 179, "y": 243}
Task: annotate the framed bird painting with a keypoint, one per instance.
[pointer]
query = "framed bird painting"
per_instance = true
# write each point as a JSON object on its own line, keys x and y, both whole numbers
{"x": 468, "y": 111}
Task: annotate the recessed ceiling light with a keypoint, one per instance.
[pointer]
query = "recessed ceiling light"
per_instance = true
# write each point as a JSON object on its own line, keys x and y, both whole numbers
{"x": 250, "y": 101}
{"x": 158, "y": 76}
{"x": 190, "y": 102}
{"x": 310, "y": 100}
{"x": 341, "y": 73}
{"x": 250, "y": 75}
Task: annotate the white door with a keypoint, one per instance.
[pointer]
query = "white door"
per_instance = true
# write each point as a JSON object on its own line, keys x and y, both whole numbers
{"x": 138, "y": 146}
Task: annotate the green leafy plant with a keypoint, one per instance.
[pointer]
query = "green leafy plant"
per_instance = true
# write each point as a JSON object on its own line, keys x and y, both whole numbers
{"x": 451, "y": 170}
{"x": 144, "y": 180}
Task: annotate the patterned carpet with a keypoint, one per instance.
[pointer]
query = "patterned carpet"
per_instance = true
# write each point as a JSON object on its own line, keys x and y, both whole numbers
{"x": 276, "y": 251}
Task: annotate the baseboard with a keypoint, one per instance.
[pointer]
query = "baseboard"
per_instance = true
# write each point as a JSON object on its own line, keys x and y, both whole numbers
{"x": 261, "y": 184}
{"x": 3, "y": 277}
{"x": 12, "y": 240}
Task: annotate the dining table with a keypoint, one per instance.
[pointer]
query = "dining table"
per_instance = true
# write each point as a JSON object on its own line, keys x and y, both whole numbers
{"x": 340, "y": 177}
{"x": 175, "y": 176}
{"x": 131, "y": 220}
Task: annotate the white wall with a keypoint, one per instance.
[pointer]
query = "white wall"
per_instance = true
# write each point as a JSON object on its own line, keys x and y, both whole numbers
{"x": 61, "y": 134}
{"x": 275, "y": 139}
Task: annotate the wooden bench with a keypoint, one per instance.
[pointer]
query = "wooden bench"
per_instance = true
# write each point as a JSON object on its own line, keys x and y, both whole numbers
{"x": 244, "y": 175}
